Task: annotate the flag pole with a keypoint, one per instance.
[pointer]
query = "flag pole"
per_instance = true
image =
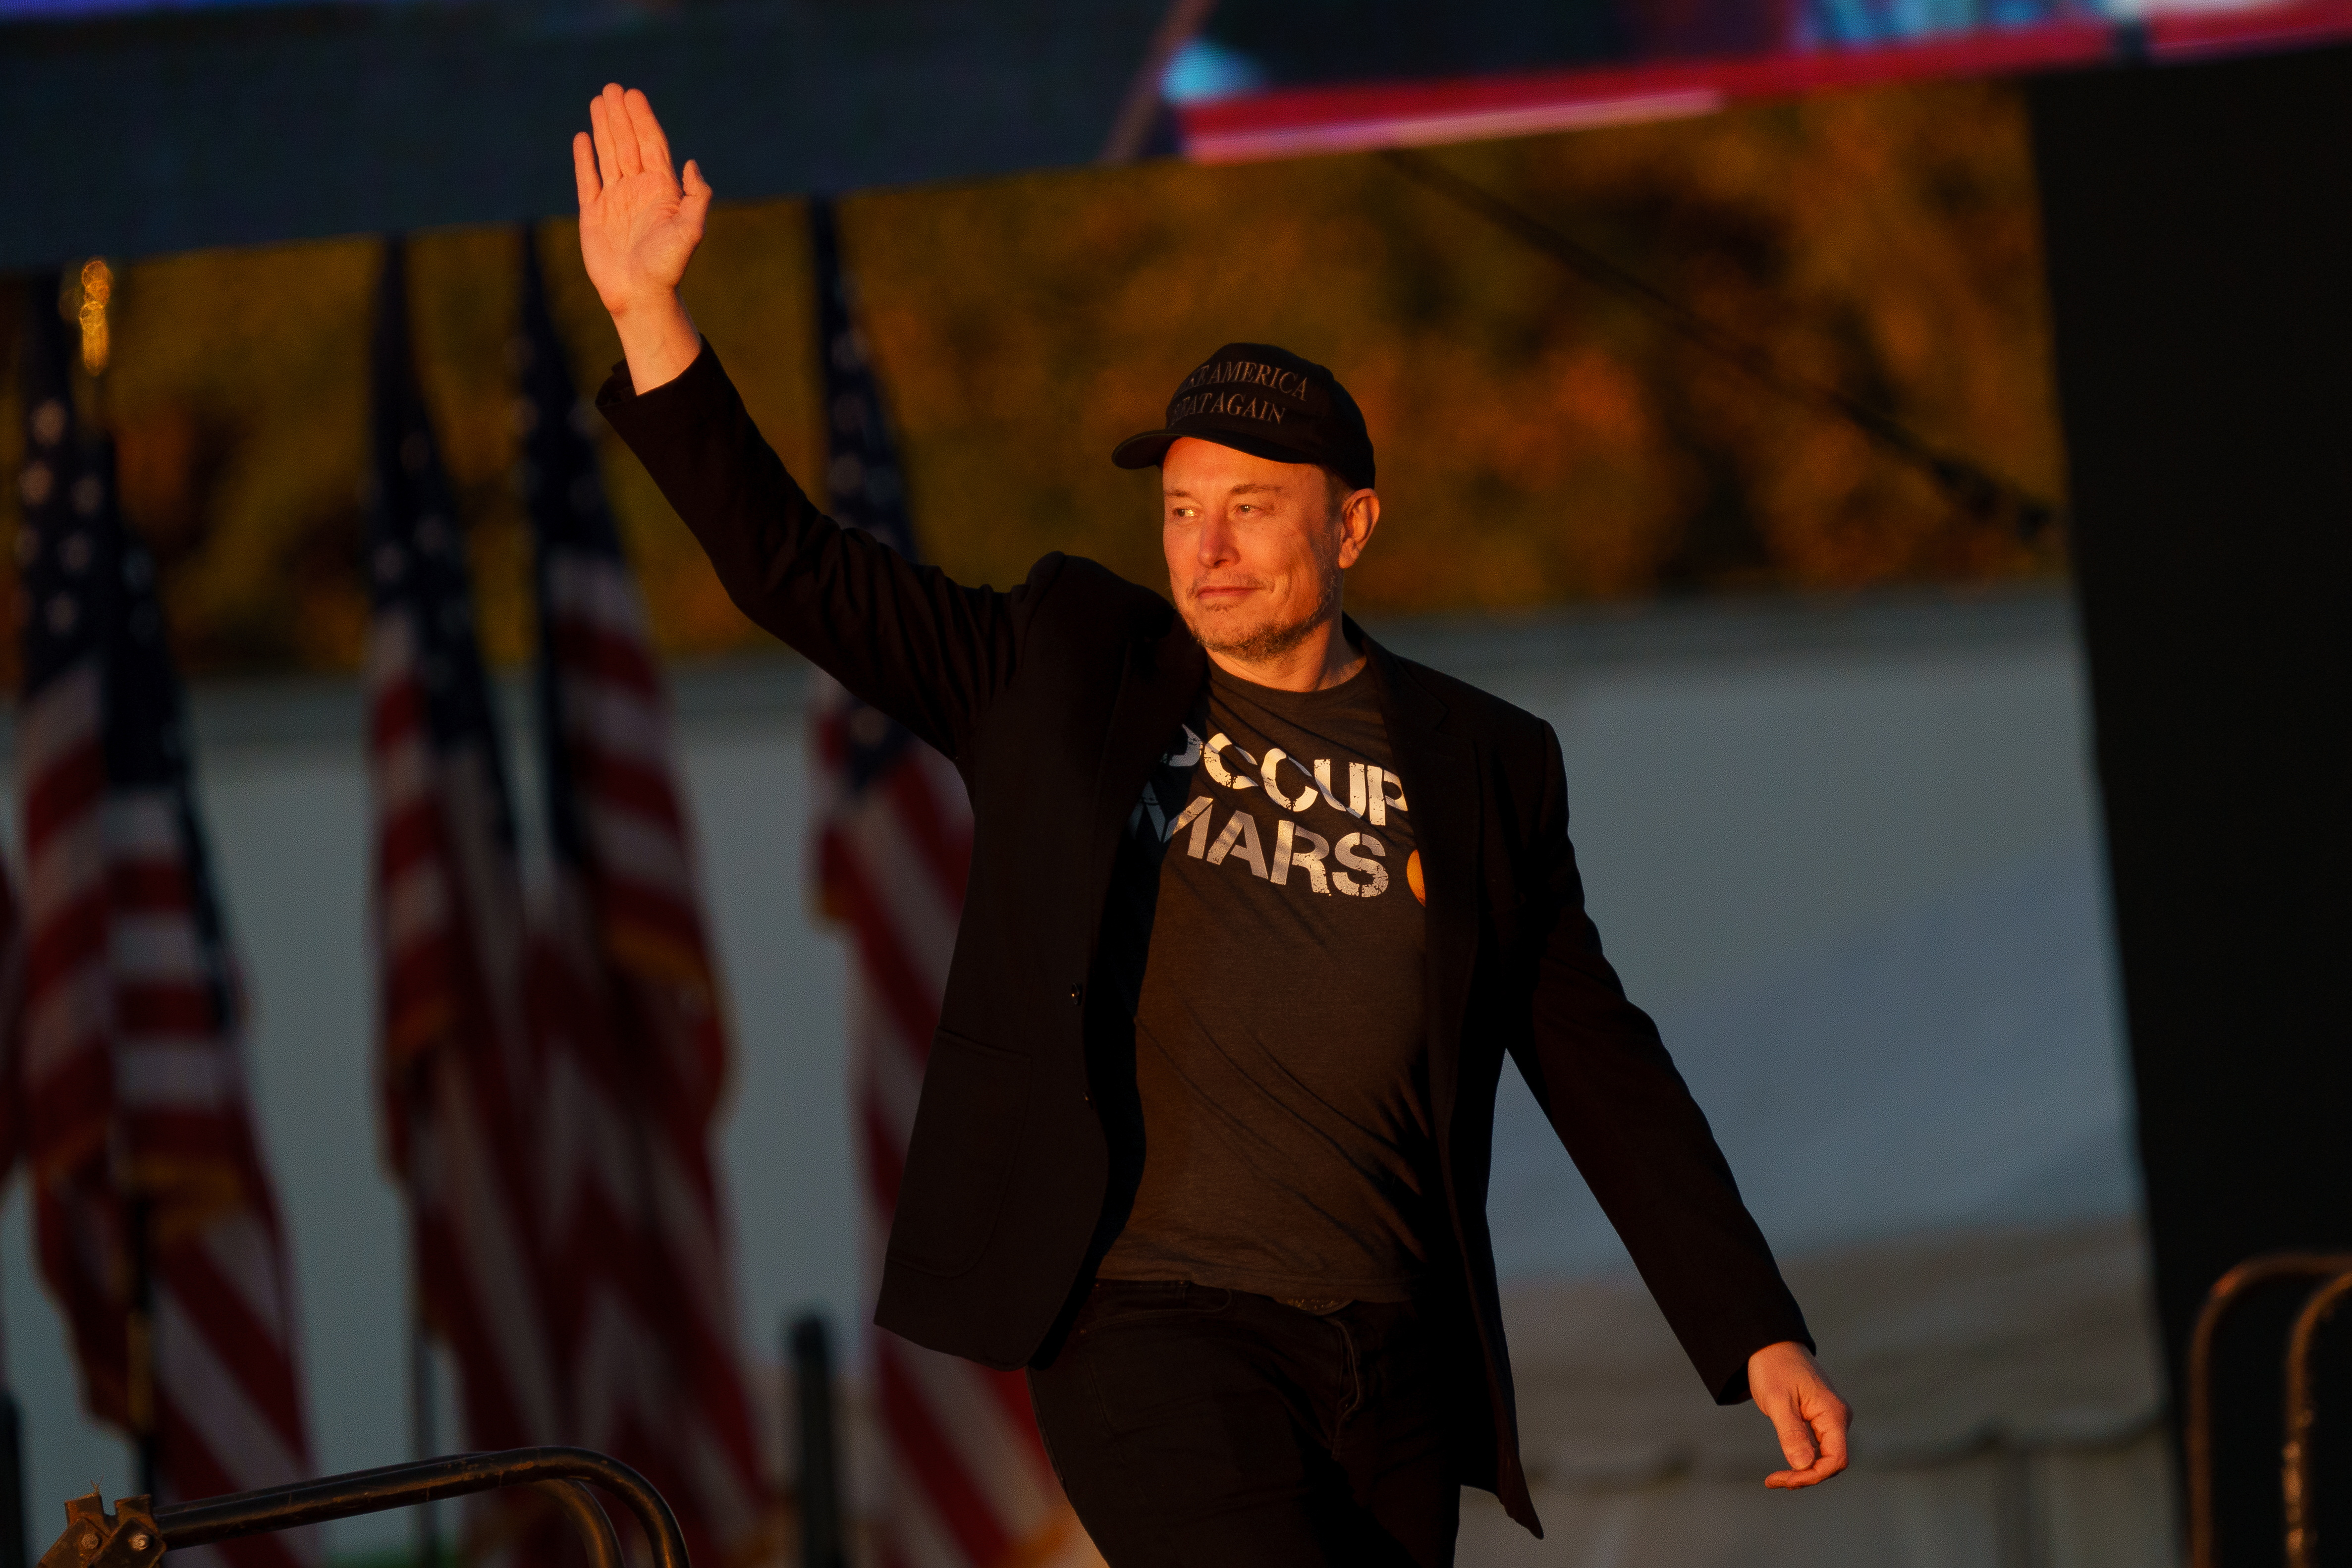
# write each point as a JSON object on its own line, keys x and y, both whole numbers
{"x": 97, "y": 280}
{"x": 139, "y": 1331}
{"x": 12, "y": 1481}
{"x": 422, "y": 1442}
{"x": 818, "y": 1480}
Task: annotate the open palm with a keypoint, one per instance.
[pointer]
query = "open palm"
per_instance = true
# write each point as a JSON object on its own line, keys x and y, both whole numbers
{"x": 638, "y": 226}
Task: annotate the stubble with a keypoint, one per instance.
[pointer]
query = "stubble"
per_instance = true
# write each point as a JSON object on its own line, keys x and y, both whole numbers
{"x": 1267, "y": 640}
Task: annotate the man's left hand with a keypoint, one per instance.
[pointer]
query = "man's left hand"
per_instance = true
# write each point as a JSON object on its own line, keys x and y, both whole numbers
{"x": 1790, "y": 1388}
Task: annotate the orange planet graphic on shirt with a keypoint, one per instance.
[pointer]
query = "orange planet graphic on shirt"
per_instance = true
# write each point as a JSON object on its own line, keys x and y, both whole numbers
{"x": 1413, "y": 878}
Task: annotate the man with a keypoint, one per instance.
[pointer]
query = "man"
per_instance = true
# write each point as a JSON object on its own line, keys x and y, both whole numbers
{"x": 1255, "y": 909}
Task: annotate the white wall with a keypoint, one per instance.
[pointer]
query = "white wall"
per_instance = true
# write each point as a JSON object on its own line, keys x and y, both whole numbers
{"x": 1863, "y": 891}
{"x": 1846, "y": 852}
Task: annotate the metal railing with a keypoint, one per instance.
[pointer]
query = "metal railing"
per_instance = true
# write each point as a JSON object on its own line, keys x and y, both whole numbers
{"x": 136, "y": 1536}
{"x": 2332, "y": 1273}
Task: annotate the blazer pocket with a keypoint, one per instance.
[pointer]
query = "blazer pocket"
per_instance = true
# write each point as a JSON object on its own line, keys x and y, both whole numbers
{"x": 968, "y": 1127}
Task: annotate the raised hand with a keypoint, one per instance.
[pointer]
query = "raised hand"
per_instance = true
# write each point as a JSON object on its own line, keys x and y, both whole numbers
{"x": 638, "y": 228}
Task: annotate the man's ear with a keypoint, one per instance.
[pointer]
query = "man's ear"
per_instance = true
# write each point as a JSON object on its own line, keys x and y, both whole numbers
{"x": 1360, "y": 514}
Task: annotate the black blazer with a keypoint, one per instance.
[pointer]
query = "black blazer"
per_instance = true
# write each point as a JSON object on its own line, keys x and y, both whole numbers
{"x": 1053, "y": 699}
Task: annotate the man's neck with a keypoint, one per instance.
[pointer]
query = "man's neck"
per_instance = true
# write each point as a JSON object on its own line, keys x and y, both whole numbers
{"x": 1322, "y": 659}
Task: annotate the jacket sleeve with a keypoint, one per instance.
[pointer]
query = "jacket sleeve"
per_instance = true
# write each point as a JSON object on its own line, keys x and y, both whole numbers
{"x": 1603, "y": 1078}
{"x": 929, "y": 652}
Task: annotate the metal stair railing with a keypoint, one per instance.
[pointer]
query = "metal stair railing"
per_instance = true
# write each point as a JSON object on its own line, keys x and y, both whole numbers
{"x": 136, "y": 1535}
{"x": 2331, "y": 1273}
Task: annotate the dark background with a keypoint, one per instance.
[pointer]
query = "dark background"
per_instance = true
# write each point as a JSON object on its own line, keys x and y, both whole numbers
{"x": 2198, "y": 233}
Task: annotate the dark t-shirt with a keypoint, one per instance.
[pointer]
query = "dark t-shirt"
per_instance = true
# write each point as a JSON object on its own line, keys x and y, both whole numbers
{"x": 1267, "y": 914}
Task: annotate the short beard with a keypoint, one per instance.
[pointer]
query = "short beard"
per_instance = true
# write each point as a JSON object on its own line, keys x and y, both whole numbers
{"x": 1267, "y": 644}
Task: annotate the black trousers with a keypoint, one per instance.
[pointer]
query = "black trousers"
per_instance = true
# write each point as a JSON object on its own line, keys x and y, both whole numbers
{"x": 1192, "y": 1426}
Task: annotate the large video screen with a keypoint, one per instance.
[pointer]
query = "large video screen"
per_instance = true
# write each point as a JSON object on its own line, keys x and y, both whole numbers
{"x": 1269, "y": 78}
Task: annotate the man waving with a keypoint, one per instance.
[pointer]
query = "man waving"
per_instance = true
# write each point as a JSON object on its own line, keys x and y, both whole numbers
{"x": 1257, "y": 908}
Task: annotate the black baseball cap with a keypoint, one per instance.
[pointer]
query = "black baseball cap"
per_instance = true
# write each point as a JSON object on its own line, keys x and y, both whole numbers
{"x": 1268, "y": 403}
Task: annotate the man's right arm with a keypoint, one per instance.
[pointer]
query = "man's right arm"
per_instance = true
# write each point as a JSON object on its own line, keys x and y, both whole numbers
{"x": 907, "y": 639}
{"x": 923, "y": 648}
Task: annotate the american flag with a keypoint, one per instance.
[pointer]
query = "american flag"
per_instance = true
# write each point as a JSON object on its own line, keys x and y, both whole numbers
{"x": 460, "y": 1073}
{"x": 159, "y": 1234}
{"x": 627, "y": 1007}
{"x": 966, "y": 1483}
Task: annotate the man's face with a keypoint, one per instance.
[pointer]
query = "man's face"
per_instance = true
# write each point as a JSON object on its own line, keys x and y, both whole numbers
{"x": 1254, "y": 547}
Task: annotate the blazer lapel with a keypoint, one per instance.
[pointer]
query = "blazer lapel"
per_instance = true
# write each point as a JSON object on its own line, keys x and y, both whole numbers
{"x": 1162, "y": 677}
{"x": 1441, "y": 775}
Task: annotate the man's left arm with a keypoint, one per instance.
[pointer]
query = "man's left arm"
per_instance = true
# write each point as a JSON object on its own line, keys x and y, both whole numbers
{"x": 1601, "y": 1074}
